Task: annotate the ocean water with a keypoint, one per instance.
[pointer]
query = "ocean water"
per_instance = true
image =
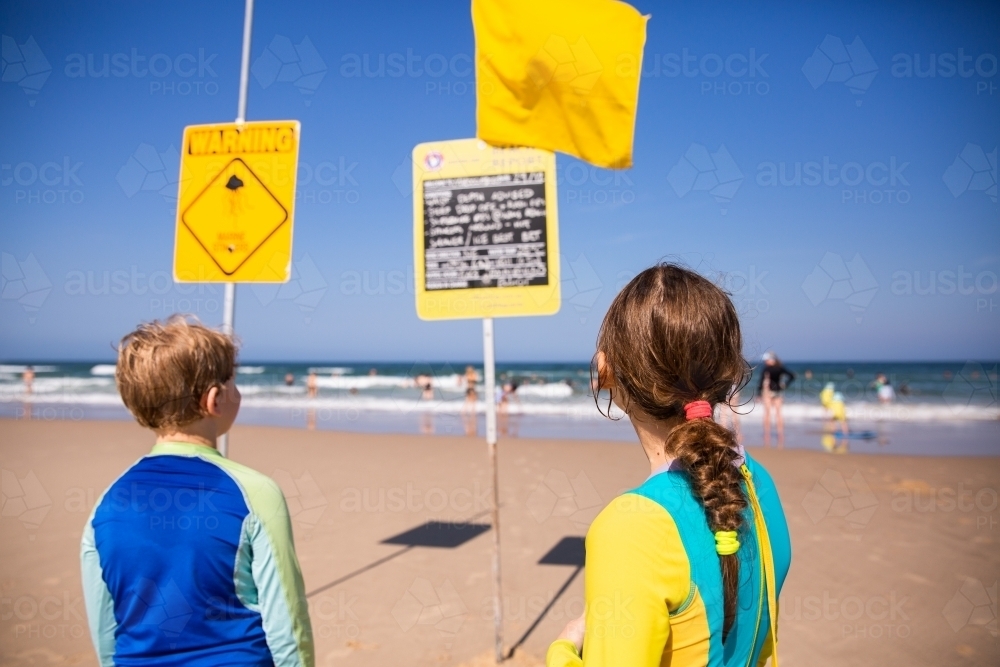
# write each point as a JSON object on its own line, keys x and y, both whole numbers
{"x": 551, "y": 400}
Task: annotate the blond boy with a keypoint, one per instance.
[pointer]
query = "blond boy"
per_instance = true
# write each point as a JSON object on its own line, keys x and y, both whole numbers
{"x": 188, "y": 557}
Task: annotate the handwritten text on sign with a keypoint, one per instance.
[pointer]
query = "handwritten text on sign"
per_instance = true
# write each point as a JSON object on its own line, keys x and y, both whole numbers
{"x": 485, "y": 231}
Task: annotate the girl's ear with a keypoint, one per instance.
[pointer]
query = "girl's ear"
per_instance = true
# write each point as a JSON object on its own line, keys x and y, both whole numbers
{"x": 605, "y": 377}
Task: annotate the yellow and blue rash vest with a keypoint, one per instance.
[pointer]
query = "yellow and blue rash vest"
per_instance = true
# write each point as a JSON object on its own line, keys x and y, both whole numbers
{"x": 653, "y": 583}
{"x": 826, "y": 396}
{"x": 188, "y": 560}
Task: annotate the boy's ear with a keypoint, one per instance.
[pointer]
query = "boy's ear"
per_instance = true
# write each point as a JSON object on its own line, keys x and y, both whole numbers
{"x": 210, "y": 401}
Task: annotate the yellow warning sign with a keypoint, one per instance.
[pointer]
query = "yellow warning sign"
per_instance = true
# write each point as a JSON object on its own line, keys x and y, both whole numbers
{"x": 486, "y": 231}
{"x": 236, "y": 202}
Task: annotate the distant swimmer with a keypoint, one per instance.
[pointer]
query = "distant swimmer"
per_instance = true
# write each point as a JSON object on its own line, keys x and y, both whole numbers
{"x": 289, "y": 379}
{"x": 425, "y": 386}
{"x": 505, "y": 397}
{"x": 312, "y": 385}
{"x": 469, "y": 410}
{"x": 774, "y": 379}
{"x": 509, "y": 394}
{"x": 28, "y": 377}
{"x": 471, "y": 377}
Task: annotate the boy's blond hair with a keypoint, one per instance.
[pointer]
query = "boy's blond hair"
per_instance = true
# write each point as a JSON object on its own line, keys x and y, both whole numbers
{"x": 165, "y": 368}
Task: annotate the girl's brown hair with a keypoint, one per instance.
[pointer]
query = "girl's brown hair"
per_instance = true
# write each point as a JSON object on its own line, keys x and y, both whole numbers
{"x": 669, "y": 338}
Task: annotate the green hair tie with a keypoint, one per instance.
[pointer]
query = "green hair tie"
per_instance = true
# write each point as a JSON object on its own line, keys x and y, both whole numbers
{"x": 726, "y": 543}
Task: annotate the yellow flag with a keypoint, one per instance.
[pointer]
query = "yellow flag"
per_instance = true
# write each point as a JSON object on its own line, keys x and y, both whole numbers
{"x": 562, "y": 75}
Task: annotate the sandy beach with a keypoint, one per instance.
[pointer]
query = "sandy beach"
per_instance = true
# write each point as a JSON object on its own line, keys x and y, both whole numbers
{"x": 895, "y": 560}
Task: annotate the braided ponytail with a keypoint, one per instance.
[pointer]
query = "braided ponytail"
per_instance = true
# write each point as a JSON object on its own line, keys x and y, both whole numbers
{"x": 708, "y": 454}
{"x": 671, "y": 338}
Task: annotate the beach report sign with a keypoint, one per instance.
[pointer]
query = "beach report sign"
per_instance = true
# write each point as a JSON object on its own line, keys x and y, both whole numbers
{"x": 485, "y": 231}
{"x": 236, "y": 202}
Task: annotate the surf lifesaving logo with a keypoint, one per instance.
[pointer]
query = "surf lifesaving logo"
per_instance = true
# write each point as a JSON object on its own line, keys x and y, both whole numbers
{"x": 433, "y": 161}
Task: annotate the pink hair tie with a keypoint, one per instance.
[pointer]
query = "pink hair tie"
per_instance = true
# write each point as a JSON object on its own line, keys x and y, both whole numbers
{"x": 698, "y": 410}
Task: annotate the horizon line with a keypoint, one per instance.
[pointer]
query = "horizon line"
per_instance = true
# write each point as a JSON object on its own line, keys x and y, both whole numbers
{"x": 275, "y": 362}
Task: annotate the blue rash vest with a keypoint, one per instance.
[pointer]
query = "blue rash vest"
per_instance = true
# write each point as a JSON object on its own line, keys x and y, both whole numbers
{"x": 188, "y": 559}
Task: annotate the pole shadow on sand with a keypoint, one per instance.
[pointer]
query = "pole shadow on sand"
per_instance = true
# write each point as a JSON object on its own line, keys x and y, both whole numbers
{"x": 452, "y": 534}
{"x": 567, "y": 551}
{"x": 434, "y": 534}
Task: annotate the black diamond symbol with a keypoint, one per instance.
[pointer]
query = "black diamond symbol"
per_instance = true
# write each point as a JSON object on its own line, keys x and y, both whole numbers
{"x": 213, "y": 215}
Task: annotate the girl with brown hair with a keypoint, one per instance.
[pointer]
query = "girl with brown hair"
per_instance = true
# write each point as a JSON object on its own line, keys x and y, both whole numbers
{"x": 684, "y": 570}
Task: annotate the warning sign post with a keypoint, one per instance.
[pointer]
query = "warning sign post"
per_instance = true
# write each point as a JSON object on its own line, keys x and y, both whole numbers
{"x": 485, "y": 245}
{"x": 236, "y": 202}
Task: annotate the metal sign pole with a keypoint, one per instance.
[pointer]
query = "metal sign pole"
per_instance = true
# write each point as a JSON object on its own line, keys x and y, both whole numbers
{"x": 489, "y": 363}
{"x": 228, "y": 313}
{"x": 229, "y": 302}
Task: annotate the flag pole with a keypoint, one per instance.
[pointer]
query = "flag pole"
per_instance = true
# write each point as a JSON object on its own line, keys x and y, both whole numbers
{"x": 241, "y": 112}
{"x": 489, "y": 364}
{"x": 229, "y": 300}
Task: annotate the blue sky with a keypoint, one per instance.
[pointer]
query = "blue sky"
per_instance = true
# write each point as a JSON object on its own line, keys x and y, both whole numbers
{"x": 826, "y": 271}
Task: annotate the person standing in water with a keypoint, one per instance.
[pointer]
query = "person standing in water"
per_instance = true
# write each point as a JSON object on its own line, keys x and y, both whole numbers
{"x": 833, "y": 401}
{"x": 883, "y": 389}
{"x": 471, "y": 378}
{"x": 469, "y": 409}
{"x": 684, "y": 570}
{"x": 774, "y": 379}
{"x": 426, "y": 386}
{"x": 28, "y": 377}
{"x": 312, "y": 385}
{"x": 504, "y": 398}
{"x": 826, "y": 396}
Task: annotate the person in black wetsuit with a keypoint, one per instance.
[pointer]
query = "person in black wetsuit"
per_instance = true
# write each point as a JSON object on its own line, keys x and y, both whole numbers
{"x": 774, "y": 379}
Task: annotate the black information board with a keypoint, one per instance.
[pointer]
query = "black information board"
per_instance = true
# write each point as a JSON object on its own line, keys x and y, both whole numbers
{"x": 485, "y": 231}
